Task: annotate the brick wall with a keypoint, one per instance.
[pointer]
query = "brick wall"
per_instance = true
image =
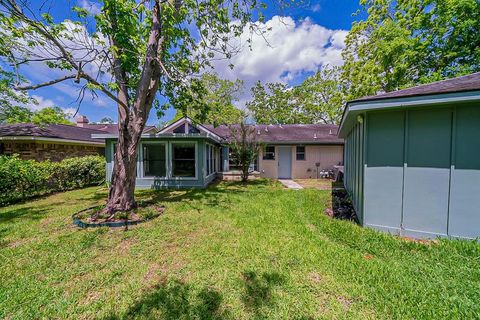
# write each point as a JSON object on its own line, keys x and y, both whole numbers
{"x": 42, "y": 151}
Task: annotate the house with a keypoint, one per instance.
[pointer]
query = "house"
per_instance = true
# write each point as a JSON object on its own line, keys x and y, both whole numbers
{"x": 55, "y": 141}
{"x": 412, "y": 159}
{"x": 185, "y": 154}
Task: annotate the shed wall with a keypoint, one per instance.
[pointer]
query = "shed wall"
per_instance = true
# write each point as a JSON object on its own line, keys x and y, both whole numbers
{"x": 354, "y": 160}
{"x": 422, "y": 171}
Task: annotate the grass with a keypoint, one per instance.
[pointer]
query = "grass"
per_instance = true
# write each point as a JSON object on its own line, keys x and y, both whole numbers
{"x": 320, "y": 184}
{"x": 227, "y": 252}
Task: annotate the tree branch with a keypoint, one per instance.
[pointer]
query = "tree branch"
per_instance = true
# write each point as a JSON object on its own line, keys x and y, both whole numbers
{"x": 44, "y": 84}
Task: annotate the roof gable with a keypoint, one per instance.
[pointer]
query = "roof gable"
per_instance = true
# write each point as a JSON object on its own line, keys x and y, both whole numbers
{"x": 188, "y": 126}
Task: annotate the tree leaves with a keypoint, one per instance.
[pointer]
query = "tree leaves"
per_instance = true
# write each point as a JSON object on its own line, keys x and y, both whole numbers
{"x": 404, "y": 43}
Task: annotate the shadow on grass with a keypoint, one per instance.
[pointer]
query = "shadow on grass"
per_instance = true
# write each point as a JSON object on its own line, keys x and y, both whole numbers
{"x": 34, "y": 212}
{"x": 176, "y": 300}
{"x": 259, "y": 291}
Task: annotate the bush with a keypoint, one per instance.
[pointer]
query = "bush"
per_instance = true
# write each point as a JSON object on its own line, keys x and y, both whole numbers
{"x": 22, "y": 179}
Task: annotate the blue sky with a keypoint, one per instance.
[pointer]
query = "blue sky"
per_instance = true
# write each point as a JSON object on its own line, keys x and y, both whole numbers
{"x": 301, "y": 42}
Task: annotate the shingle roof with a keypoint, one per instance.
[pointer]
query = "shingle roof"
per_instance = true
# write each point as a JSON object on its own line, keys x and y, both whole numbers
{"x": 461, "y": 84}
{"x": 57, "y": 131}
{"x": 113, "y": 127}
{"x": 289, "y": 133}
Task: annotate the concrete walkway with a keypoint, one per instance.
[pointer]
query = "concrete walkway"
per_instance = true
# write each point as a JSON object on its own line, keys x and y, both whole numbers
{"x": 290, "y": 184}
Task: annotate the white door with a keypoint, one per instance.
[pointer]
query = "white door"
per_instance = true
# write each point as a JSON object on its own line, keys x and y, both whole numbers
{"x": 284, "y": 162}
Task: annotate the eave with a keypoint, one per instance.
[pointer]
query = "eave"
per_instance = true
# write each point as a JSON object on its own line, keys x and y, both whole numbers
{"x": 355, "y": 108}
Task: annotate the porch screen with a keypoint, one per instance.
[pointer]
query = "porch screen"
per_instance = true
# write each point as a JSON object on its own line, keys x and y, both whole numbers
{"x": 183, "y": 160}
{"x": 154, "y": 160}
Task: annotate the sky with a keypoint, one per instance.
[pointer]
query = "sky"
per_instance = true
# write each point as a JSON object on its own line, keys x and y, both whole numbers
{"x": 301, "y": 41}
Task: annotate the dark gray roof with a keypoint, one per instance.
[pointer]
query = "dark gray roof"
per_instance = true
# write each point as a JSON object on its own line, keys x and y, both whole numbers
{"x": 113, "y": 127}
{"x": 56, "y": 131}
{"x": 461, "y": 84}
{"x": 288, "y": 133}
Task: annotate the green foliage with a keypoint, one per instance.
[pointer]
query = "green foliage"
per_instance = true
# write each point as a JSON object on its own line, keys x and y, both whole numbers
{"x": 49, "y": 115}
{"x": 10, "y": 99}
{"x": 405, "y": 43}
{"x": 244, "y": 147}
{"x": 210, "y": 101}
{"x": 22, "y": 179}
{"x": 319, "y": 99}
{"x": 275, "y": 103}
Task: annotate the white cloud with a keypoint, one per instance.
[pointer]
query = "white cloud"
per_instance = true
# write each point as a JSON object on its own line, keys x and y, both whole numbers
{"x": 92, "y": 7}
{"x": 316, "y": 7}
{"x": 70, "y": 112}
{"x": 291, "y": 49}
{"x": 42, "y": 103}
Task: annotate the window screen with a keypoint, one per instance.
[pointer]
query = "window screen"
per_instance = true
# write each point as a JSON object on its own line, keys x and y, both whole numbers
{"x": 154, "y": 160}
{"x": 183, "y": 160}
{"x": 269, "y": 153}
{"x": 300, "y": 152}
{"x": 179, "y": 129}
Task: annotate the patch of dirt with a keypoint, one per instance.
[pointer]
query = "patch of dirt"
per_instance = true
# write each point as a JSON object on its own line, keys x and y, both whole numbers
{"x": 315, "y": 278}
{"x": 144, "y": 211}
{"x": 91, "y": 297}
{"x": 368, "y": 257}
{"x": 344, "y": 301}
{"x": 427, "y": 242}
{"x": 17, "y": 243}
{"x": 159, "y": 273}
{"x": 124, "y": 245}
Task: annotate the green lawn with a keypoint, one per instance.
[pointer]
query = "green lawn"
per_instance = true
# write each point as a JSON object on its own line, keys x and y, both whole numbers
{"x": 228, "y": 252}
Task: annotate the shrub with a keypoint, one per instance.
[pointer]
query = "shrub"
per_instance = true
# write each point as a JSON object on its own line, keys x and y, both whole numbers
{"x": 22, "y": 179}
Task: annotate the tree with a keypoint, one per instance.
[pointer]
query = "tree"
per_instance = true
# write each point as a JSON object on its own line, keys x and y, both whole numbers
{"x": 322, "y": 96}
{"x": 244, "y": 147}
{"x": 213, "y": 103}
{"x": 276, "y": 103}
{"x": 405, "y": 43}
{"x": 138, "y": 49}
{"x": 49, "y": 115}
{"x": 11, "y": 101}
{"x": 106, "y": 120}
{"x": 319, "y": 99}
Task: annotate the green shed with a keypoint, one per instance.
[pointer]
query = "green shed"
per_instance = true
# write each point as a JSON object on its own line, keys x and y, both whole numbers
{"x": 412, "y": 159}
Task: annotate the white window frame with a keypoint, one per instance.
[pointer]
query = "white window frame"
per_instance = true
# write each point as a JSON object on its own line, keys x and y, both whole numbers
{"x": 195, "y": 143}
{"x": 210, "y": 151}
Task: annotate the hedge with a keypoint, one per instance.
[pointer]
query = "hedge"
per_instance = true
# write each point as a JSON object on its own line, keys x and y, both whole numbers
{"x": 23, "y": 179}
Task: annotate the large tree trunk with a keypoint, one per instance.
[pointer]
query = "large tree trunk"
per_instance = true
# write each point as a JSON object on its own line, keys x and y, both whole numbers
{"x": 121, "y": 195}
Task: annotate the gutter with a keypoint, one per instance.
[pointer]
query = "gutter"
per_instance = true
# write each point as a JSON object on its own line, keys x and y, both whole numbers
{"x": 43, "y": 139}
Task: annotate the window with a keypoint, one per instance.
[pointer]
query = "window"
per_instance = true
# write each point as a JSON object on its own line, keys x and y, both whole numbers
{"x": 179, "y": 129}
{"x": 269, "y": 153}
{"x": 183, "y": 160}
{"x": 192, "y": 129}
{"x": 2, "y": 148}
{"x": 300, "y": 152}
{"x": 154, "y": 160}
{"x": 211, "y": 160}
